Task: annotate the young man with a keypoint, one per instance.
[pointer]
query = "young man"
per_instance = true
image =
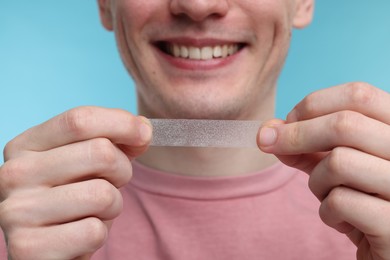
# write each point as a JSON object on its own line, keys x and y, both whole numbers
{"x": 209, "y": 59}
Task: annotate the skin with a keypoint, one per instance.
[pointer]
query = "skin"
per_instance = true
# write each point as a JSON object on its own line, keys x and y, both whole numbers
{"x": 232, "y": 91}
{"x": 342, "y": 144}
{"x": 228, "y": 92}
{"x": 62, "y": 177}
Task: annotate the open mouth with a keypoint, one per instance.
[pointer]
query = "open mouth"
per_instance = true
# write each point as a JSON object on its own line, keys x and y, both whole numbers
{"x": 199, "y": 53}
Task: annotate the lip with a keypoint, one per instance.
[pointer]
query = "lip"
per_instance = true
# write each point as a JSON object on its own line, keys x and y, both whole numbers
{"x": 197, "y": 65}
{"x": 197, "y": 42}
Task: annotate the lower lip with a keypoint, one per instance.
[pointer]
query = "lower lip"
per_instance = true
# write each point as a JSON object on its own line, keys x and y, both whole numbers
{"x": 189, "y": 64}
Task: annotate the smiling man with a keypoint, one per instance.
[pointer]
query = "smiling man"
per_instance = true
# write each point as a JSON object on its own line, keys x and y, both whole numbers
{"x": 86, "y": 183}
{"x": 187, "y": 58}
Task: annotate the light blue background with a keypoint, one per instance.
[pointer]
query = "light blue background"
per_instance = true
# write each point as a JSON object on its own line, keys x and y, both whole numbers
{"x": 54, "y": 55}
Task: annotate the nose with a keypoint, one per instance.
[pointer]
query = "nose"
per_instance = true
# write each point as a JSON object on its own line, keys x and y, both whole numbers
{"x": 199, "y": 10}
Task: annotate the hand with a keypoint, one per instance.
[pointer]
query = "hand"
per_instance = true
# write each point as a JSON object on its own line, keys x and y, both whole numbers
{"x": 59, "y": 183}
{"x": 341, "y": 138}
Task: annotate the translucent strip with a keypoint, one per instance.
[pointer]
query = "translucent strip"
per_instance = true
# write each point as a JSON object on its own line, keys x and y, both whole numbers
{"x": 204, "y": 133}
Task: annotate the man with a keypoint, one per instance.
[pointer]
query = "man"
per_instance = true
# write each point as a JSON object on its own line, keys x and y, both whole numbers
{"x": 209, "y": 59}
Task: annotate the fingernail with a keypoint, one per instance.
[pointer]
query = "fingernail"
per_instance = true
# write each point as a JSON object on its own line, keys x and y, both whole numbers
{"x": 267, "y": 136}
{"x": 145, "y": 130}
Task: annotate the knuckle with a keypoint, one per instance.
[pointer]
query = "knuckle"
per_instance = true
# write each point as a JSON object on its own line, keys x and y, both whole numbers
{"x": 95, "y": 232}
{"x": 102, "y": 194}
{"x": 8, "y": 149}
{"x": 335, "y": 162}
{"x": 17, "y": 249}
{"x": 336, "y": 199}
{"x": 21, "y": 246}
{"x": 77, "y": 120}
{"x": 103, "y": 152}
{"x": 127, "y": 174}
{"x": 313, "y": 186}
{"x": 10, "y": 176}
{"x": 344, "y": 123}
{"x": 4, "y": 216}
{"x": 309, "y": 103}
{"x": 8, "y": 211}
{"x": 360, "y": 93}
{"x": 312, "y": 183}
{"x": 15, "y": 211}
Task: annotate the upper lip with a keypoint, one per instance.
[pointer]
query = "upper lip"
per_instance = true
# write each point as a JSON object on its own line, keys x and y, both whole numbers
{"x": 196, "y": 42}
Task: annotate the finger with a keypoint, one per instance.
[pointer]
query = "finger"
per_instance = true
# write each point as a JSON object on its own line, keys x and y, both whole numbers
{"x": 80, "y": 124}
{"x": 96, "y": 158}
{"x": 352, "y": 168}
{"x": 360, "y": 97}
{"x": 66, "y": 241}
{"x": 97, "y": 198}
{"x": 344, "y": 206}
{"x": 355, "y": 236}
{"x": 325, "y": 133}
{"x": 89, "y": 256}
{"x": 303, "y": 162}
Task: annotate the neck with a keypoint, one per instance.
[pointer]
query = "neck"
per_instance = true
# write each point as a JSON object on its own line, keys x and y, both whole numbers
{"x": 206, "y": 161}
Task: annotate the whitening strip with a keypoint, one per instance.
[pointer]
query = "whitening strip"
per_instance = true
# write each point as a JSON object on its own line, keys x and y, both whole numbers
{"x": 205, "y": 133}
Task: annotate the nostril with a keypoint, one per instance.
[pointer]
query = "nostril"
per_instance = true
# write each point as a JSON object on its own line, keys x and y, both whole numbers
{"x": 199, "y": 10}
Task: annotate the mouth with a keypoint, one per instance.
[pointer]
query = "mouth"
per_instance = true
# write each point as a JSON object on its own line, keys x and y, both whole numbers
{"x": 206, "y": 52}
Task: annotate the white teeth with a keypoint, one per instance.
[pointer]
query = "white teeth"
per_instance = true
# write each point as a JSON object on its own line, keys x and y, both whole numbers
{"x": 207, "y": 53}
{"x": 217, "y": 51}
{"x": 224, "y": 51}
{"x": 204, "y": 53}
{"x": 184, "y": 53}
{"x": 195, "y": 53}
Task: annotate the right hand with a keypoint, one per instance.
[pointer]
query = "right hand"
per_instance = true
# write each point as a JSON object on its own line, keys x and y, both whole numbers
{"x": 59, "y": 183}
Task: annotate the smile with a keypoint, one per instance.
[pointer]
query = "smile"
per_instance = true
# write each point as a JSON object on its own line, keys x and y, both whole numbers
{"x": 199, "y": 53}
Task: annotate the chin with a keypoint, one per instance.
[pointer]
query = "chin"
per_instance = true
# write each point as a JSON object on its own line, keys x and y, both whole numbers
{"x": 198, "y": 103}
{"x": 191, "y": 109}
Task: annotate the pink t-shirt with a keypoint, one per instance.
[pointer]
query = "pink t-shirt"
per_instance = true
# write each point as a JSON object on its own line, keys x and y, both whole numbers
{"x": 265, "y": 215}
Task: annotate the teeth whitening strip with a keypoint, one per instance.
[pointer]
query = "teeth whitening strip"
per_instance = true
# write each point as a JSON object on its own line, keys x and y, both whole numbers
{"x": 205, "y": 133}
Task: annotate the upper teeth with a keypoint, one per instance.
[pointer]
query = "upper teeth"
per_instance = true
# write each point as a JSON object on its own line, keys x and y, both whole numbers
{"x": 203, "y": 53}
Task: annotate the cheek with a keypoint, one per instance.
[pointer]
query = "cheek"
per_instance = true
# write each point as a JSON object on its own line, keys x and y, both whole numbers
{"x": 270, "y": 13}
{"x": 132, "y": 19}
{"x": 273, "y": 20}
{"x": 138, "y": 13}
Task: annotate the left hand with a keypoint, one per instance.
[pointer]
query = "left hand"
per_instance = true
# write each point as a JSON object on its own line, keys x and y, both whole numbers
{"x": 341, "y": 137}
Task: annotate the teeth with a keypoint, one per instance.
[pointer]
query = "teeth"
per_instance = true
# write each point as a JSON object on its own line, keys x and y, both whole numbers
{"x": 195, "y": 53}
{"x": 224, "y": 51}
{"x": 184, "y": 53}
{"x": 176, "y": 51}
{"x": 207, "y": 53}
{"x": 204, "y": 53}
{"x": 217, "y": 51}
{"x": 230, "y": 50}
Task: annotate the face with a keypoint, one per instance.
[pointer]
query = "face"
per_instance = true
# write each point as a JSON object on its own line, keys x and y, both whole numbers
{"x": 215, "y": 59}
